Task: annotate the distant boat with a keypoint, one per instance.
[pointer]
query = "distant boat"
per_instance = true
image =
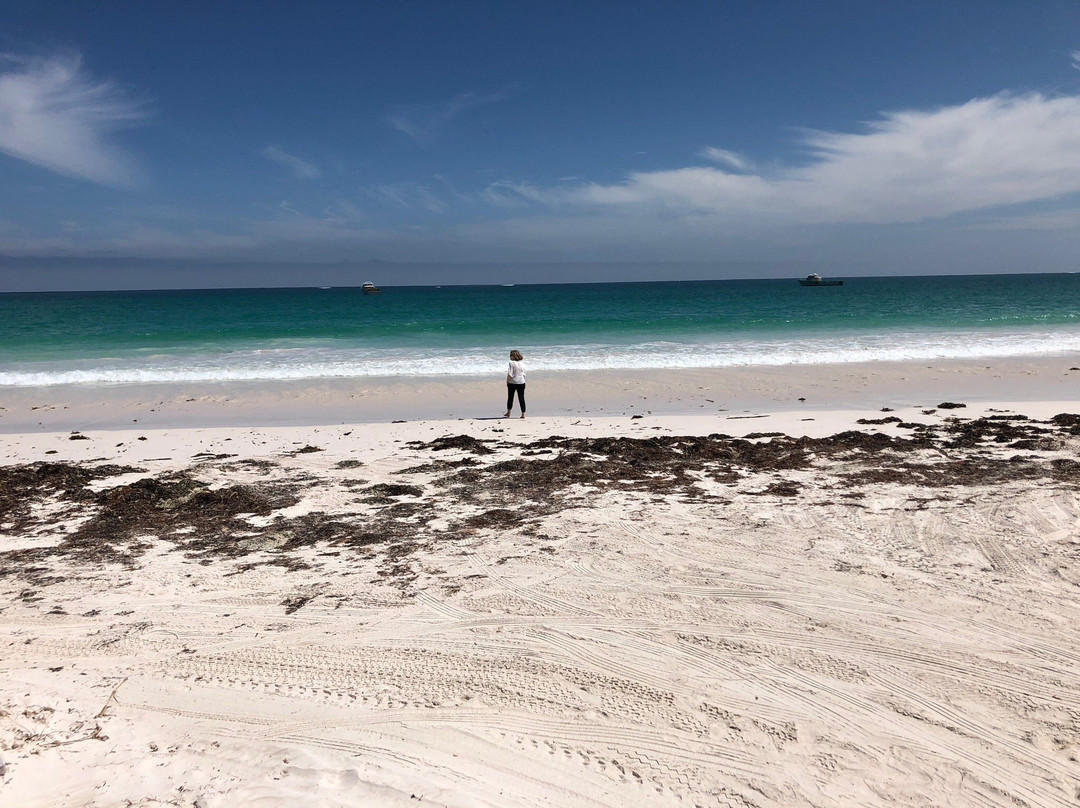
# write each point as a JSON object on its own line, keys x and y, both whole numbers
{"x": 369, "y": 288}
{"x": 813, "y": 279}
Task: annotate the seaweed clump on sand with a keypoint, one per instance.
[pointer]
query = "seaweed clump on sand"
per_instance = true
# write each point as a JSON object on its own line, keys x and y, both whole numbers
{"x": 436, "y": 466}
{"x": 309, "y": 449}
{"x": 175, "y": 507}
{"x": 658, "y": 465}
{"x": 465, "y": 443}
{"x": 22, "y": 486}
{"x": 1068, "y": 422}
{"x": 676, "y": 465}
{"x": 384, "y": 493}
{"x": 951, "y": 473}
{"x": 186, "y": 511}
{"x": 1000, "y": 429}
{"x": 966, "y": 454}
{"x": 117, "y": 524}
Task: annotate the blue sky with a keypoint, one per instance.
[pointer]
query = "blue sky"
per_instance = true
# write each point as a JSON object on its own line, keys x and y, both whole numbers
{"x": 150, "y": 144}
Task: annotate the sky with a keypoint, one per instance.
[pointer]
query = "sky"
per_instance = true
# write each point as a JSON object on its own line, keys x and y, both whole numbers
{"x": 149, "y": 145}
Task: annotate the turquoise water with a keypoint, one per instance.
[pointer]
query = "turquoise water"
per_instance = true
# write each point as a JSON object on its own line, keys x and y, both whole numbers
{"x": 124, "y": 337}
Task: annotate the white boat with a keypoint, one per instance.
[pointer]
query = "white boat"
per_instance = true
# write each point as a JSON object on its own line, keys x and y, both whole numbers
{"x": 369, "y": 288}
{"x": 813, "y": 279}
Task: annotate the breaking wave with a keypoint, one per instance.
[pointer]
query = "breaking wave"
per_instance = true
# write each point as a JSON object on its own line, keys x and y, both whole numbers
{"x": 315, "y": 361}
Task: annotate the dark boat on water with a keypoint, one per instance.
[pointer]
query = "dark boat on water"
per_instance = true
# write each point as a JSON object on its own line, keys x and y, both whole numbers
{"x": 369, "y": 288}
{"x": 813, "y": 279}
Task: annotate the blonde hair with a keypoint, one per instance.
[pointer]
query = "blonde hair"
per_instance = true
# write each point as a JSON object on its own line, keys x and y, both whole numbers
{"x": 516, "y": 355}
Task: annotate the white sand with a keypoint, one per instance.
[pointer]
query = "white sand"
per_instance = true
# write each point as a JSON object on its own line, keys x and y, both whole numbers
{"x": 916, "y": 646}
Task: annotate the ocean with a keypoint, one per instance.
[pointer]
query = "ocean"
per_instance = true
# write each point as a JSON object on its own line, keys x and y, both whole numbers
{"x": 298, "y": 333}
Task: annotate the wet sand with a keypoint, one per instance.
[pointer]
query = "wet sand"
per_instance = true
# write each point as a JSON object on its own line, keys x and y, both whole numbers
{"x": 717, "y": 391}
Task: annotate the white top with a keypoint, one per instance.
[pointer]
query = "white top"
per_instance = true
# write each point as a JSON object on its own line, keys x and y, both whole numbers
{"x": 516, "y": 372}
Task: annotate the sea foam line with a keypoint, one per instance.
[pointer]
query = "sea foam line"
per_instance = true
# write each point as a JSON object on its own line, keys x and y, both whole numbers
{"x": 324, "y": 363}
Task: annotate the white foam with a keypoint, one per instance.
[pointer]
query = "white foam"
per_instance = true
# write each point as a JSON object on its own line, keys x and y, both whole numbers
{"x": 330, "y": 362}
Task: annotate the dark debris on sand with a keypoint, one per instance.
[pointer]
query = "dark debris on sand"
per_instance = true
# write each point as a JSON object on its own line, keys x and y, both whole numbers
{"x": 659, "y": 464}
{"x": 438, "y": 466}
{"x": 388, "y": 492}
{"x": 176, "y": 507}
{"x": 391, "y": 521}
{"x": 463, "y": 442}
{"x": 304, "y": 450}
{"x": 23, "y": 486}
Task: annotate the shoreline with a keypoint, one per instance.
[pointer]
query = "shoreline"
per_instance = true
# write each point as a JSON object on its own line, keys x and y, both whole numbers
{"x": 870, "y": 385}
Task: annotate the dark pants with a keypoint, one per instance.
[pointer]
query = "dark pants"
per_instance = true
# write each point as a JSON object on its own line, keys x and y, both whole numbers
{"x": 510, "y": 390}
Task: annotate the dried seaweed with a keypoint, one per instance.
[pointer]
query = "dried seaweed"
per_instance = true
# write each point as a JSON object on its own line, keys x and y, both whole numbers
{"x": 296, "y": 603}
{"x": 465, "y": 443}
{"x": 436, "y": 466}
{"x": 496, "y": 517}
{"x": 396, "y": 520}
{"x": 387, "y": 492}
{"x": 968, "y": 434}
{"x": 984, "y": 471}
{"x": 1067, "y": 421}
{"x": 784, "y": 488}
{"x": 22, "y": 485}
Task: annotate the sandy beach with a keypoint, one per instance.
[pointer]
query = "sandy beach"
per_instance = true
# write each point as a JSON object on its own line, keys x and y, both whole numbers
{"x": 721, "y": 392}
{"x": 825, "y": 585}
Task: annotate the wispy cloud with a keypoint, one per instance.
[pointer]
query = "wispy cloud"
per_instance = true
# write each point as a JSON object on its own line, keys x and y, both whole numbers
{"x": 909, "y": 166}
{"x": 301, "y": 169}
{"x": 55, "y": 115}
{"x": 1075, "y": 57}
{"x": 725, "y": 157}
{"x": 421, "y": 122}
{"x": 284, "y": 232}
{"x": 510, "y": 194}
{"x": 408, "y": 195}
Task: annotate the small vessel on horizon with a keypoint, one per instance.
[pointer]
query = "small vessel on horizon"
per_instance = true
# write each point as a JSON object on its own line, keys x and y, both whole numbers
{"x": 813, "y": 279}
{"x": 369, "y": 288}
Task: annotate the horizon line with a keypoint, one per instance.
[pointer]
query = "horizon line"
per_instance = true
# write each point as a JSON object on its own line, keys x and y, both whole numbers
{"x": 778, "y": 279}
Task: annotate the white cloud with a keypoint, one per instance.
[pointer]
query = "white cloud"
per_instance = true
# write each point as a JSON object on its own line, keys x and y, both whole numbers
{"x": 725, "y": 157}
{"x": 54, "y": 115}
{"x": 693, "y": 189}
{"x": 421, "y": 122}
{"x": 988, "y": 152}
{"x": 301, "y": 169}
{"x": 1075, "y": 56}
{"x": 909, "y": 166}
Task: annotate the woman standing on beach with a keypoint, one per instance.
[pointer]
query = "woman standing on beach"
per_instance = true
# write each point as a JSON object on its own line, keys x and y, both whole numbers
{"x": 515, "y": 383}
